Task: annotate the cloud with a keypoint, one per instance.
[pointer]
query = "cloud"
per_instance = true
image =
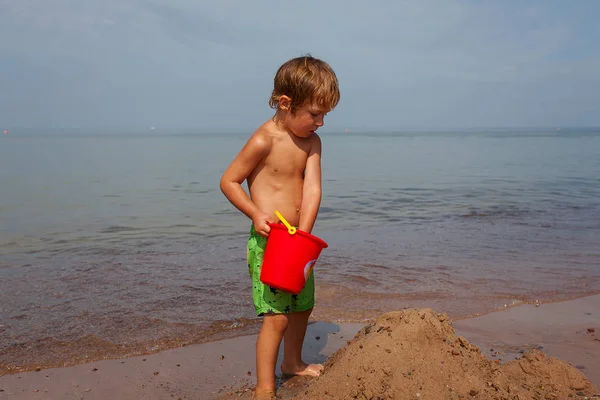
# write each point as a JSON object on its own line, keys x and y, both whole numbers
{"x": 211, "y": 63}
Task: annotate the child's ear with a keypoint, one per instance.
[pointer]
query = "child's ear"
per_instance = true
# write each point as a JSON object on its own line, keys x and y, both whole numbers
{"x": 285, "y": 103}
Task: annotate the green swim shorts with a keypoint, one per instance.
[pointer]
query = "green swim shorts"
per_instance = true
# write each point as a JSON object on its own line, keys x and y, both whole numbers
{"x": 268, "y": 300}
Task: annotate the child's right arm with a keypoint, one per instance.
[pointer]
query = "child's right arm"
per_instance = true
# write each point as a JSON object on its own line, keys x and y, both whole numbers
{"x": 255, "y": 150}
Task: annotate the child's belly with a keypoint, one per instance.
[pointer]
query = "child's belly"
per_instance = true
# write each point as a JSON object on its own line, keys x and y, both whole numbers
{"x": 287, "y": 199}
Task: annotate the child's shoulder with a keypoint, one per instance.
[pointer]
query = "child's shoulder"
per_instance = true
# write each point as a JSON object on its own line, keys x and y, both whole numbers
{"x": 261, "y": 141}
{"x": 267, "y": 134}
{"x": 263, "y": 136}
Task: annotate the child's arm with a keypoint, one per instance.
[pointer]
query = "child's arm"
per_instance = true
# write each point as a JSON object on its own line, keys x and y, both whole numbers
{"x": 311, "y": 193}
{"x": 255, "y": 150}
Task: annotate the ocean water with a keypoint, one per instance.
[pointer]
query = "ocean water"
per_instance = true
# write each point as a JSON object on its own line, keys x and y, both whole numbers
{"x": 113, "y": 245}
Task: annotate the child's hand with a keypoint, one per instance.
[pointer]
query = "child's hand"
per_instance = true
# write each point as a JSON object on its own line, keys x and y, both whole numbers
{"x": 261, "y": 223}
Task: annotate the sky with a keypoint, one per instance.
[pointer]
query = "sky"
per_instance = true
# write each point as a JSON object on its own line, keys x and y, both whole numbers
{"x": 209, "y": 65}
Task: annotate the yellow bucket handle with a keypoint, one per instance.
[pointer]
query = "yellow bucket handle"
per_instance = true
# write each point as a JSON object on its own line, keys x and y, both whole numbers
{"x": 291, "y": 229}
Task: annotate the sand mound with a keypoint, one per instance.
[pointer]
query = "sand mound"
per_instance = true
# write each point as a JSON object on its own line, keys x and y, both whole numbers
{"x": 414, "y": 354}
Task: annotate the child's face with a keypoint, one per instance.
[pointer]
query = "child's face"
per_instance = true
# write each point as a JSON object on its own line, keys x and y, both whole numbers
{"x": 306, "y": 120}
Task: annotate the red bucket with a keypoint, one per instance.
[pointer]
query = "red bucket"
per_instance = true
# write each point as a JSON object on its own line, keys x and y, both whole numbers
{"x": 289, "y": 259}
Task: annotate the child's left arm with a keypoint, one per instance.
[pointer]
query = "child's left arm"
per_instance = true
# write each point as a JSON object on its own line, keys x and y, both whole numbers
{"x": 311, "y": 193}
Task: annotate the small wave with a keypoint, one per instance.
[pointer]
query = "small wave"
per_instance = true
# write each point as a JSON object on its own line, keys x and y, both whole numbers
{"x": 120, "y": 228}
{"x": 412, "y": 189}
{"x": 376, "y": 266}
{"x": 495, "y": 213}
{"x": 191, "y": 288}
{"x": 361, "y": 280}
{"x": 326, "y": 210}
{"x": 201, "y": 234}
{"x": 201, "y": 191}
{"x": 226, "y": 212}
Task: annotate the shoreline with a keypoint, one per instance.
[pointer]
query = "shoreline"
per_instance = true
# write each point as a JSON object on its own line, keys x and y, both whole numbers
{"x": 560, "y": 329}
{"x": 212, "y": 369}
{"x": 251, "y": 327}
{"x": 508, "y": 306}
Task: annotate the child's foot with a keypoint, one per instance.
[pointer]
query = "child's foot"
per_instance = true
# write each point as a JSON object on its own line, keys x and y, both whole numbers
{"x": 302, "y": 369}
{"x": 263, "y": 394}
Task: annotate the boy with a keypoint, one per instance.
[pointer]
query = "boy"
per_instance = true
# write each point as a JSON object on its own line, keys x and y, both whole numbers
{"x": 282, "y": 164}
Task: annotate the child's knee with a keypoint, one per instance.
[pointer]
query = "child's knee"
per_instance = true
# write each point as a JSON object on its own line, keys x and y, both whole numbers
{"x": 277, "y": 322}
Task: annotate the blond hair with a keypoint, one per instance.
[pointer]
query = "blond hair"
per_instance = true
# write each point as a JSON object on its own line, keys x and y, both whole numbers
{"x": 306, "y": 79}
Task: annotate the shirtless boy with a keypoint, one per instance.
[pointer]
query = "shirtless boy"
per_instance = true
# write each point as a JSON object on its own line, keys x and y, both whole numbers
{"x": 282, "y": 165}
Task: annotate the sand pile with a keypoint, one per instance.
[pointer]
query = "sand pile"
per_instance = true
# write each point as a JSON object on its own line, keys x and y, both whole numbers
{"x": 414, "y": 354}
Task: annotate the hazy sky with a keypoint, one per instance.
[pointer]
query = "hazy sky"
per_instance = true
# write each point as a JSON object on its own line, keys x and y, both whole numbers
{"x": 178, "y": 64}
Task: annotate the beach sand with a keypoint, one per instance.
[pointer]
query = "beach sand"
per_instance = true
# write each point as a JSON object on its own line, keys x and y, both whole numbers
{"x": 560, "y": 330}
{"x": 203, "y": 371}
{"x": 225, "y": 369}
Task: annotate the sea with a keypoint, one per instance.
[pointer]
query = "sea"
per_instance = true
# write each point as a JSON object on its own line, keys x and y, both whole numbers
{"x": 117, "y": 244}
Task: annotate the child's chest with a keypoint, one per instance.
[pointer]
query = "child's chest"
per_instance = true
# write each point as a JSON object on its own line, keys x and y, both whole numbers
{"x": 287, "y": 158}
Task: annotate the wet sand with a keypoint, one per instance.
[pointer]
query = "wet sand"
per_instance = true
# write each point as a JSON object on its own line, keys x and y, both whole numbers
{"x": 211, "y": 370}
{"x": 204, "y": 371}
{"x": 560, "y": 330}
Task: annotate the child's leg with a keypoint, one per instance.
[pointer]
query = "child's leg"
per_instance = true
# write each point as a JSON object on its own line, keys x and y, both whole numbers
{"x": 267, "y": 350}
{"x": 275, "y": 306}
{"x": 302, "y": 306}
{"x": 292, "y": 347}
{"x": 294, "y": 338}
